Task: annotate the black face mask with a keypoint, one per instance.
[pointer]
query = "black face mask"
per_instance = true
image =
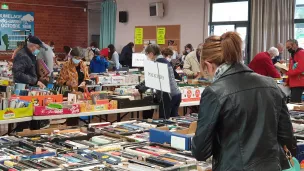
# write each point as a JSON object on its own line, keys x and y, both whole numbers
{"x": 291, "y": 51}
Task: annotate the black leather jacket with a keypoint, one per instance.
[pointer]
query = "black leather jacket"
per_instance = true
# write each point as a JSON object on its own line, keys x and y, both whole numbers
{"x": 243, "y": 122}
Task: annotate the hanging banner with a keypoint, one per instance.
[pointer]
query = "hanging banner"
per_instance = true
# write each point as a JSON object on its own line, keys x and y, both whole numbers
{"x": 15, "y": 26}
{"x": 139, "y": 36}
{"x": 161, "y": 33}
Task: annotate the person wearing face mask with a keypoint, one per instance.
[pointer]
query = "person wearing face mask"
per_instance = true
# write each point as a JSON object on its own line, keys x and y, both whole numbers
{"x": 187, "y": 50}
{"x": 169, "y": 103}
{"x": 296, "y": 71}
{"x": 90, "y": 52}
{"x": 25, "y": 64}
{"x": 243, "y": 116}
{"x": 262, "y": 63}
{"x": 192, "y": 63}
{"x": 167, "y": 54}
{"x": 74, "y": 72}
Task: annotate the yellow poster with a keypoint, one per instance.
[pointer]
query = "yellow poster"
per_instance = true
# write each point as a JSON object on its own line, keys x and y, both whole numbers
{"x": 139, "y": 36}
{"x": 161, "y": 33}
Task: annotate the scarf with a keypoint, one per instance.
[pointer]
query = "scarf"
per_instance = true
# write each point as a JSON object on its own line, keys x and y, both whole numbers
{"x": 220, "y": 71}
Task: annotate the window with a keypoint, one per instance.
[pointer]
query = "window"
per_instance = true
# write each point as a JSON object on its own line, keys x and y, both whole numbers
{"x": 230, "y": 11}
{"x": 299, "y": 22}
{"x": 231, "y": 15}
{"x": 299, "y": 11}
{"x": 299, "y": 33}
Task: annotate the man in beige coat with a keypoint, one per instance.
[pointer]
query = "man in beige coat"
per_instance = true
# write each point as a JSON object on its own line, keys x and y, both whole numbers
{"x": 192, "y": 65}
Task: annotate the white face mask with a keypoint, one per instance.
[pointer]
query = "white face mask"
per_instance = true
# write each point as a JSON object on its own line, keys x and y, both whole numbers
{"x": 168, "y": 59}
{"x": 188, "y": 51}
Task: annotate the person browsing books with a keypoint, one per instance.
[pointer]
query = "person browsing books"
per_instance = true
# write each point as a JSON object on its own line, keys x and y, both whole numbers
{"x": 169, "y": 102}
{"x": 74, "y": 72}
{"x": 98, "y": 64}
{"x": 296, "y": 70}
{"x": 262, "y": 63}
{"x": 25, "y": 64}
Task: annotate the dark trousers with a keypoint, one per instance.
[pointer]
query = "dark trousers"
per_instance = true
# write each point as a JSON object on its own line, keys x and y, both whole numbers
{"x": 296, "y": 94}
{"x": 168, "y": 107}
{"x": 148, "y": 114}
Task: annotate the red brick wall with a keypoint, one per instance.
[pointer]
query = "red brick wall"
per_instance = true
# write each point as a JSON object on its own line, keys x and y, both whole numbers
{"x": 63, "y": 21}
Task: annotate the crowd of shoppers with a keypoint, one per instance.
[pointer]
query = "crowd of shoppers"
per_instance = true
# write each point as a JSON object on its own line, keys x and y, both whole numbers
{"x": 243, "y": 117}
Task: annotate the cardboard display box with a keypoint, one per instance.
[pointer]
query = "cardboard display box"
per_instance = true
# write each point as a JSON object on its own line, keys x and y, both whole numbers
{"x": 128, "y": 102}
{"x": 180, "y": 139}
{"x": 40, "y": 100}
{"x": 190, "y": 94}
{"x": 45, "y": 111}
{"x": 10, "y": 113}
{"x": 100, "y": 106}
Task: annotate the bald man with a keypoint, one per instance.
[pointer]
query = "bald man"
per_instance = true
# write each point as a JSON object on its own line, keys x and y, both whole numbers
{"x": 192, "y": 62}
{"x": 280, "y": 47}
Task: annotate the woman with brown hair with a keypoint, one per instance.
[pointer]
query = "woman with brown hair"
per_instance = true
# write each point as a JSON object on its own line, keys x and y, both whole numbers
{"x": 243, "y": 119}
{"x": 167, "y": 54}
{"x": 187, "y": 49}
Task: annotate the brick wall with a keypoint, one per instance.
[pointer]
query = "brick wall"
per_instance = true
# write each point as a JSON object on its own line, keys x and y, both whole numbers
{"x": 62, "y": 21}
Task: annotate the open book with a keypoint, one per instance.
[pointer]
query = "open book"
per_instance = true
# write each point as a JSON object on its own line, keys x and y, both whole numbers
{"x": 281, "y": 66}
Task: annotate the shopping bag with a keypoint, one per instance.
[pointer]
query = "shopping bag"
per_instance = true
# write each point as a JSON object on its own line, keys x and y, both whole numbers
{"x": 293, "y": 162}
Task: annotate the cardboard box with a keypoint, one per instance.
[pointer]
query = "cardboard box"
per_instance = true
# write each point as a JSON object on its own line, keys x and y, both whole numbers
{"x": 132, "y": 79}
{"x": 44, "y": 111}
{"x": 41, "y": 99}
{"x": 100, "y": 106}
{"x": 10, "y": 113}
{"x": 104, "y": 80}
{"x": 181, "y": 139}
{"x": 118, "y": 80}
{"x": 191, "y": 94}
{"x": 60, "y": 128}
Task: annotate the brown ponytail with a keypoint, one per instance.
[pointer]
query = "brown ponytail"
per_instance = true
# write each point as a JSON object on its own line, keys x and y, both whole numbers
{"x": 222, "y": 49}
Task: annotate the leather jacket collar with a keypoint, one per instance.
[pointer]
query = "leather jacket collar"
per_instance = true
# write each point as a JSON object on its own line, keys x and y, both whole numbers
{"x": 236, "y": 68}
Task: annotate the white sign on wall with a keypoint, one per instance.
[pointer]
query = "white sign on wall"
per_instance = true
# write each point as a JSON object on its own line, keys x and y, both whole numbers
{"x": 138, "y": 59}
{"x": 157, "y": 76}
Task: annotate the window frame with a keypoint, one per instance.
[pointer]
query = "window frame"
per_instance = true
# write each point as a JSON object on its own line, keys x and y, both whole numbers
{"x": 236, "y": 23}
{"x": 297, "y": 21}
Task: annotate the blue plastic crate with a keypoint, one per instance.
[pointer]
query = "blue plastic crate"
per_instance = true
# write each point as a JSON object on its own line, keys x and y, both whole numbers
{"x": 300, "y": 152}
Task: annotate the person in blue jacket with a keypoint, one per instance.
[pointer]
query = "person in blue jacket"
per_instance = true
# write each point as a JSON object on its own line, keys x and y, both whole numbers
{"x": 98, "y": 64}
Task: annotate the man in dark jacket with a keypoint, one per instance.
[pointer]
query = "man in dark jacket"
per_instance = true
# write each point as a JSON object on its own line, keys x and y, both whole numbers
{"x": 24, "y": 64}
{"x": 24, "y": 71}
{"x": 126, "y": 55}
